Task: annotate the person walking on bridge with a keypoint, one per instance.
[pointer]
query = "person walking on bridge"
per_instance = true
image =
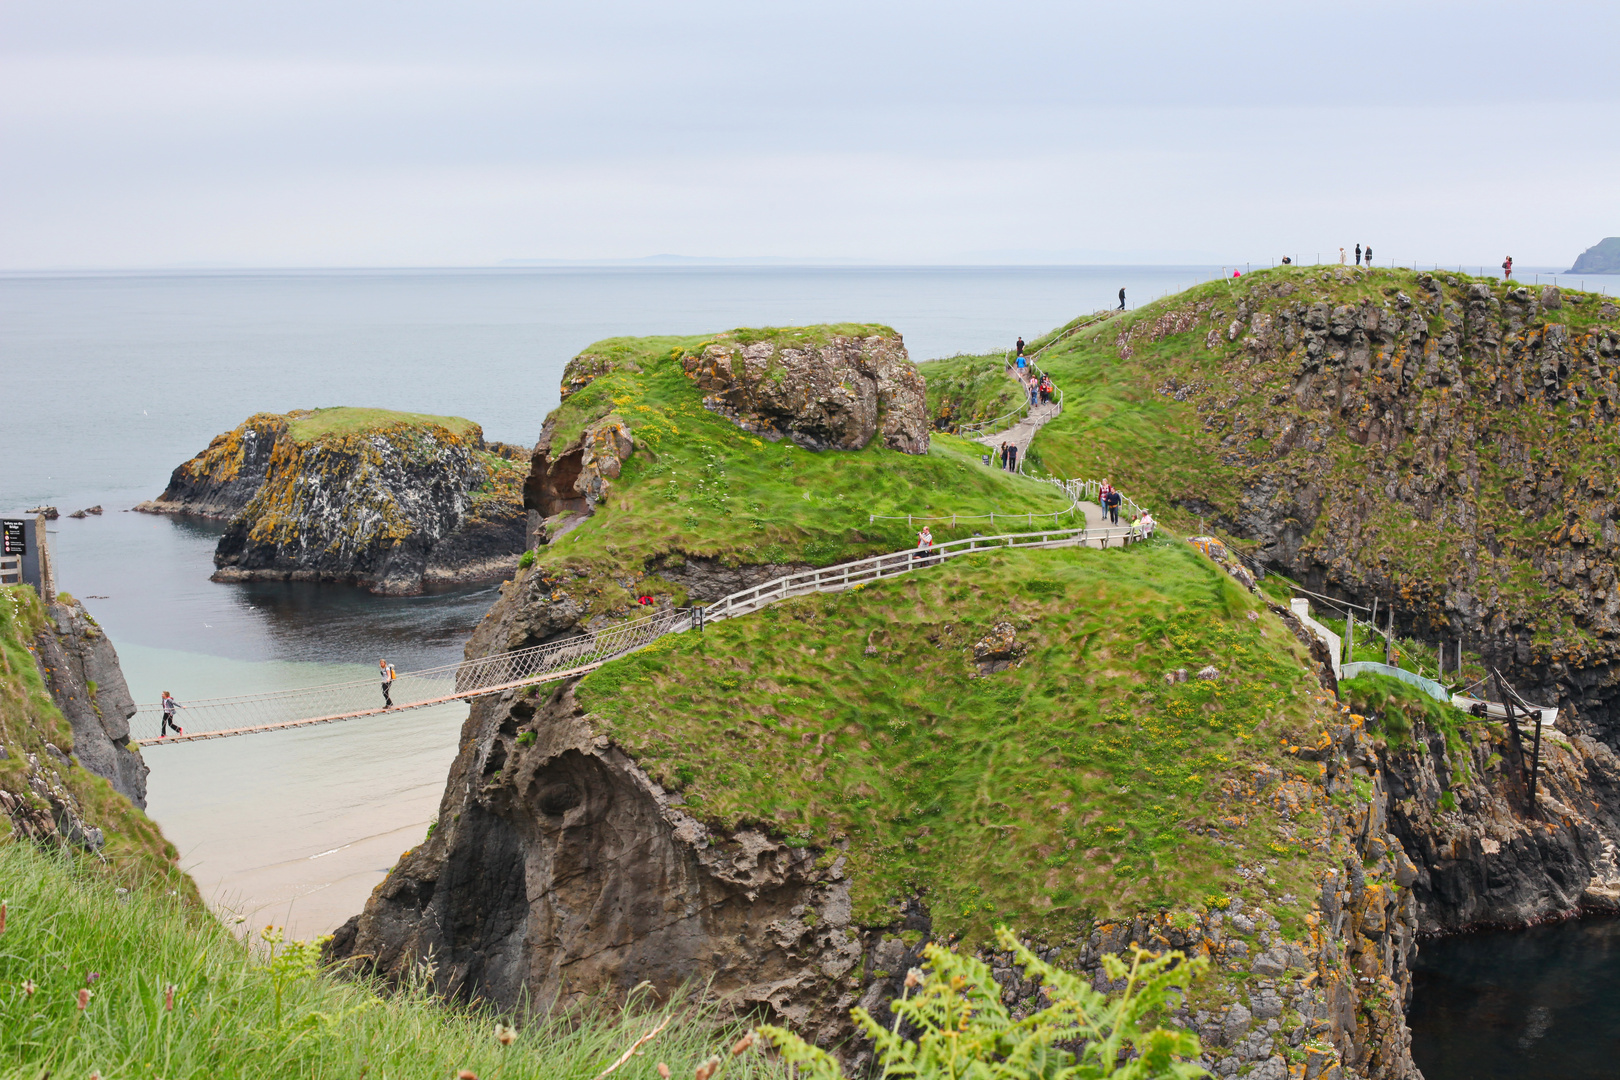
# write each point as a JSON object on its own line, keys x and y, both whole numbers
{"x": 169, "y": 705}
{"x": 386, "y": 670}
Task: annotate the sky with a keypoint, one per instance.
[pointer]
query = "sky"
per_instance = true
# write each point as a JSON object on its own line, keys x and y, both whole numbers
{"x": 172, "y": 133}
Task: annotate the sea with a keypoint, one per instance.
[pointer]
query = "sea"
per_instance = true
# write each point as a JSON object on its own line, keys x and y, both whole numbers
{"x": 110, "y": 380}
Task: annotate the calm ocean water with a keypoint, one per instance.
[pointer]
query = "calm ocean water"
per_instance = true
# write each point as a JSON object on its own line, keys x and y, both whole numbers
{"x": 110, "y": 381}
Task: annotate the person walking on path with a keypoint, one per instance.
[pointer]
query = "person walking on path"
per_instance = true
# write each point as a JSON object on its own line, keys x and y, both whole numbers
{"x": 1012, "y": 457}
{"x": 1122, "y": 298}
{"x": 1103, "y": 491}
{"x": 1020, "y": 346}
{"x": 386, "y": 670}
{"x": 169, "y": 705}
{"x": 1358, "y": 254}
{"x": 1507, "y": 268}
{"x": 1114, "y": 499}
{"x": 1034, "y": 393}
{"x": 925, "y": 544}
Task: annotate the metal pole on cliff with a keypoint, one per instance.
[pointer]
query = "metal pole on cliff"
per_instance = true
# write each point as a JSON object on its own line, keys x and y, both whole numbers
{"x": 1514, "y": 740}
{"x": 1535, "y": 760}
{"x": 1350, "y": 636}
{"x": 1389, "y": 636}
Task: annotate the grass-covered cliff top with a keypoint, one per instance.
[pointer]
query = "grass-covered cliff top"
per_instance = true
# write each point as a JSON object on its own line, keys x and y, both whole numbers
{"x": 1459, "y": 435}
{"x": 697, "y": 484}
{"x": 135, "y": 851}
{"x": 1077, "y": 784}
{"x": 310, "y": 425}
{"x": 969, "y": 389}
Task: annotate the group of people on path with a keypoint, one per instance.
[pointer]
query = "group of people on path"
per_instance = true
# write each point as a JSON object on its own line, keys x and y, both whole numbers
{"x": 1361, "y": 253}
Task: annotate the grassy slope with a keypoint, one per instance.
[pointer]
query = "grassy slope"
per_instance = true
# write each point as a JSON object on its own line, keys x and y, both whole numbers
{"x": 968, "y": 389}
{"x": 699, "y": 485}
{"x": 64, "y": 922}
{"x": 135, "y": 850}
{"x": 1076, "y": 785}
{"x": 1169, "y": 453}
{"x": 344, "y": 420}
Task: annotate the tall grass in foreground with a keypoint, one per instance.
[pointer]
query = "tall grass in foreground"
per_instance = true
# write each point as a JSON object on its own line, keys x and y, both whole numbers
{"x": 139, "y": 985}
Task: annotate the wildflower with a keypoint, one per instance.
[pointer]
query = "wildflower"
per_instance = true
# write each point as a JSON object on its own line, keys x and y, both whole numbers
{"x": 90, "y": 977}
{"x": 29, "y": 987}
{"x": 914, "y": 978}
{"x": 743, "y": 1044}
{"x": 505, "y": 1035}
{"x": 663, "y": 1070}
{"x": 707, "y": 1069}
{"x": 84, "y": 1000}
{"x": 168, "y": 998}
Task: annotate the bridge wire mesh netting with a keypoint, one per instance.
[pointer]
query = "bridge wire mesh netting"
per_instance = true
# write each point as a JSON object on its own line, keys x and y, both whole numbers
{"x": 212, "y": 717}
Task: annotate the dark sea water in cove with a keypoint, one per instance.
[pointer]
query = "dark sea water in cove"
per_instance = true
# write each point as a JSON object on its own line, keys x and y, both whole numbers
{"x": 109, "y": 381}
{"x": 1502, "y": 1005}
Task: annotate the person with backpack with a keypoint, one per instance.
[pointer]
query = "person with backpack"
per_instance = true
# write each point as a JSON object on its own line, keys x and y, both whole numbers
{"x": 1507, "y": 268}
{"x": 386, "y": 670}
{"x": 169, "y": 705}
{"x": 925, "y": 544}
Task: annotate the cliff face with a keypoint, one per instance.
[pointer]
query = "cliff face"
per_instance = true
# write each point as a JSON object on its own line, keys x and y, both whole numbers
{"x": 1447, "y": 445}
{"x": 395, "y": 502}
{"x": 67, "y": 775}
{"x": 81, "y": 670}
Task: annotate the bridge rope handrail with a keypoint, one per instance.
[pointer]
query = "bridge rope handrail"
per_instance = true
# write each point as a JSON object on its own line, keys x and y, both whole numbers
{"x": 577, "y": 655}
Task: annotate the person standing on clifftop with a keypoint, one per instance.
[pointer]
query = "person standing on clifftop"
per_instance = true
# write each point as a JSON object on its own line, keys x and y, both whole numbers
{"x": 1122, "y": 299}
{"x": 1020, "y": 346}
{"x": 386, "y": 670}
{"x": 1358, "y": 254}
{"x": 169, "y": 705}
{"x": 1341, "y": 256}
{"x": 1369, "y": 256}
{"x": 1507, "y": 268}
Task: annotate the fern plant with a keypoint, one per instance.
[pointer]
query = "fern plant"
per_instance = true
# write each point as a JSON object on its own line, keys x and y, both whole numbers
{"x": 964, "y": 1032}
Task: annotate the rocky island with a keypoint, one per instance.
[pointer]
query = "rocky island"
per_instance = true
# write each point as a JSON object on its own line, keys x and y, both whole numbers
{"x": 1602, "y": 257}
{"x": 395, "y": 502}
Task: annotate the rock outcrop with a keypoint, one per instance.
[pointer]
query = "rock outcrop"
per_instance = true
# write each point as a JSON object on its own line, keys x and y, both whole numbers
{"x": 81, "y": 670}
{"x": 391, "y": 501}
{"x": 1602, "y": 257}
{"x": 832, "y": 395}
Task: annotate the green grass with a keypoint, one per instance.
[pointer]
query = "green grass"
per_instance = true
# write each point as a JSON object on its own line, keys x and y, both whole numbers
{"x": 1078, "y": 784}
{"x": 344, "y": 420}
{"x": 1241, "y": 428}
{"x": 236, "y": 1015}
{"x": 699, "y": 485}
{"x": 969, "y": 389}
{"x": 1394, "y": 708}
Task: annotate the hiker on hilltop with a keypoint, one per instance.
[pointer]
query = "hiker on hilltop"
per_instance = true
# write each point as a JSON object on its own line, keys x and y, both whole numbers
{"x": 1369, "y": 256}
{"x": 1507, "y": 267}
{"x": 1020, "y": 346}
{"x": 1358, "y": 254}
{"x": 1122, "y": 298}
{"x": 1341, "y": 256}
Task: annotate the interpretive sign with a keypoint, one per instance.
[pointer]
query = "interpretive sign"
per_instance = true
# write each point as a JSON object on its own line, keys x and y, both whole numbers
{"x": 14, "y": 540}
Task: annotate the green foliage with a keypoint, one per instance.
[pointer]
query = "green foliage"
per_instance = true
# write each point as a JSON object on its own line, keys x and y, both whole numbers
{"x": 344, "y": 420}
{"x": 1078, "y": 783}
{"x": 967, "y": 389}
{"x": 1393, "y": 708}
{"x": 172, "y": 994}
{"x": 526, "y": 560}
{"x": 964, "y": 1032}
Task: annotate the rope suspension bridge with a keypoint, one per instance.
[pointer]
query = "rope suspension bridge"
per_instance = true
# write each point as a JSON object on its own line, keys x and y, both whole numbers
{"x": 572, "y": 657}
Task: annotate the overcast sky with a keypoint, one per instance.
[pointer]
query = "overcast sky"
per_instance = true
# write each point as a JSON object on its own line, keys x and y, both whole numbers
{"x": 150, "y": 133}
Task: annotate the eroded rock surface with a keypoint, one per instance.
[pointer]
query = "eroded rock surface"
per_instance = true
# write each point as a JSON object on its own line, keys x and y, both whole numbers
{"x": 397, "y": 505}
{"x": 81, "y": 670}
{"x": 834, "y": 396}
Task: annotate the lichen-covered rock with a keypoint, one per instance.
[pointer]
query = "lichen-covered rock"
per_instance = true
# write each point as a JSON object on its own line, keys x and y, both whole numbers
{"x": 574, "y": 478}
{"x": 81, "y": 670}
{"x": 223, "y": 479}
{"x": 396, "y": 502}
{"x": 836, "y": 395}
